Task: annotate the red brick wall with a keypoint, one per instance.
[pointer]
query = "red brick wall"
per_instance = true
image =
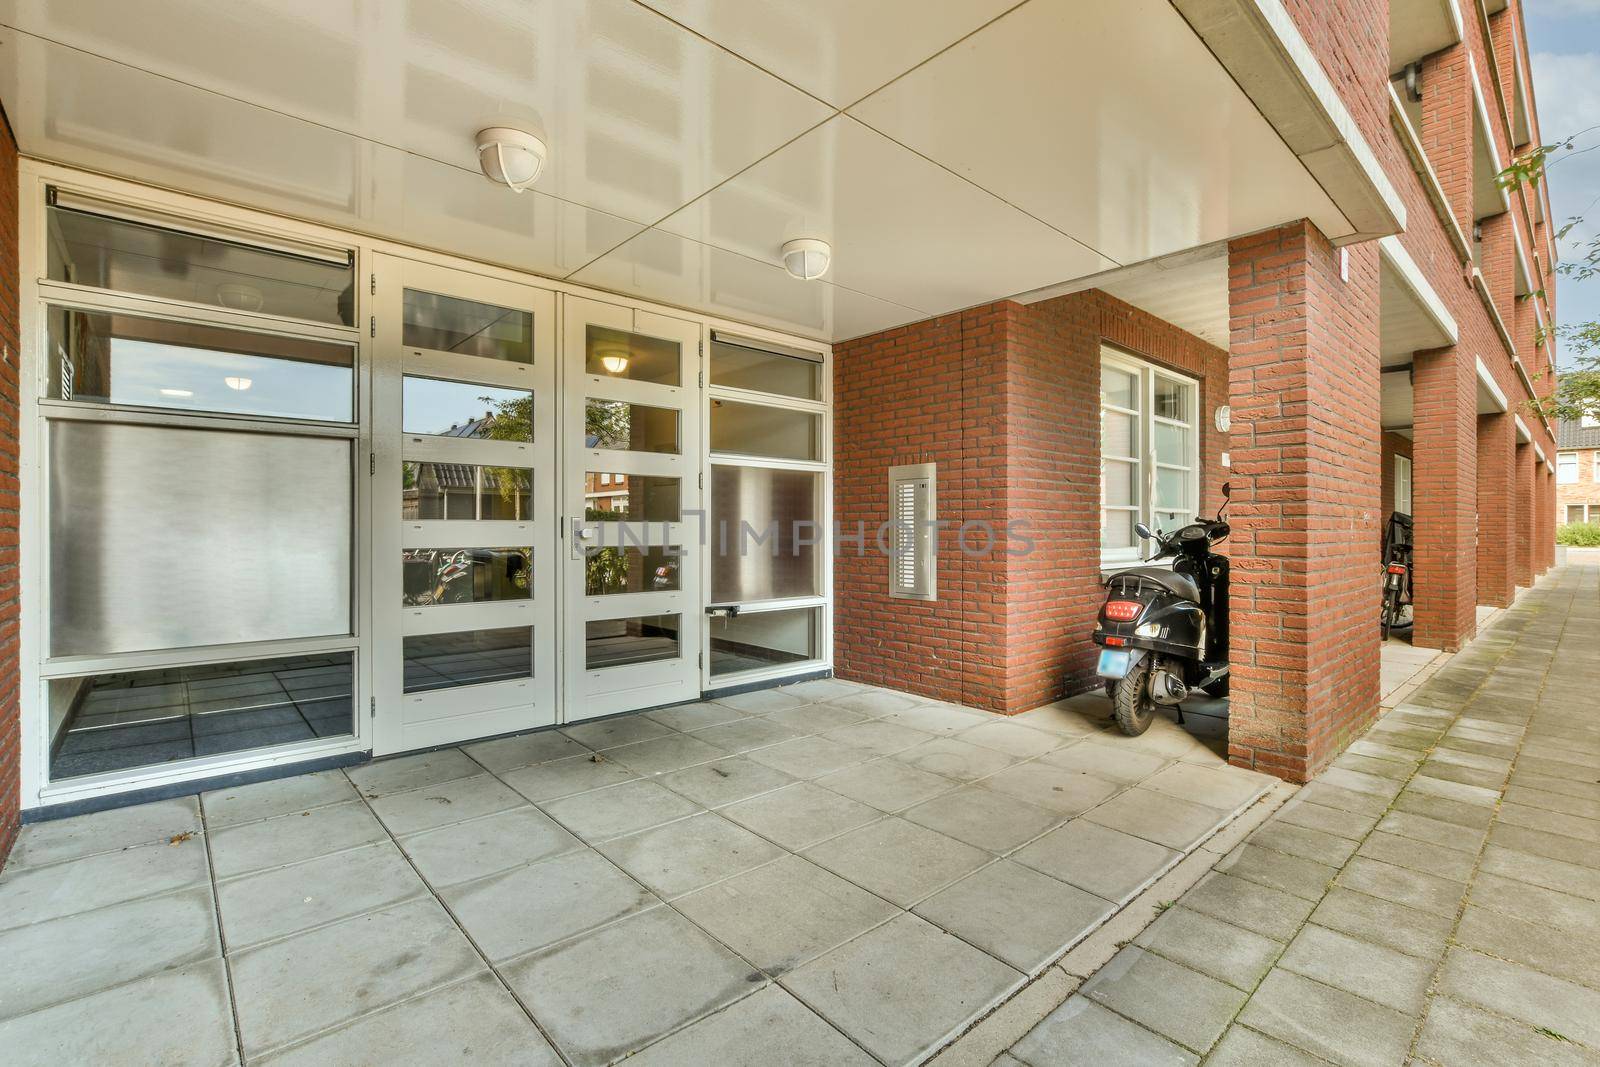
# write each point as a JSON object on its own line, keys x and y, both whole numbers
{"x": 1304, "y": 383}
{"x": 1005, "y": 399}
{"x": 1527, "y": 516}
{"x": 10, "y": 721}
{"x": 1497, "y": 502}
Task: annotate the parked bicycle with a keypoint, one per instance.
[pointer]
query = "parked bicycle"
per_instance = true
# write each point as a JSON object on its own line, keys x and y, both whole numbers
{"x": 1396, "y": 613}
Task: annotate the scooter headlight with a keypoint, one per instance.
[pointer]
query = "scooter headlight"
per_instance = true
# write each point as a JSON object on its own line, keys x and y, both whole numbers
{"x": 1149, "y": 629}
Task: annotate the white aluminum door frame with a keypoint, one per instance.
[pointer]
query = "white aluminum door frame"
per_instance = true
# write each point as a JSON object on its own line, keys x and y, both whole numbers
{"x": 407, "y": 721}
{"x": 610, "y": 690}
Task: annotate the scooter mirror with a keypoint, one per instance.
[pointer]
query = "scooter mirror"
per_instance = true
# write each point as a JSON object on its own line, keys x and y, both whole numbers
{"x": 1142, "y": 530}
{"x": 1227, "y": 489}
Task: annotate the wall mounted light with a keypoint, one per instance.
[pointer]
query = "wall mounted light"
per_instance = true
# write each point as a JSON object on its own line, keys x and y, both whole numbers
{"x": 807, "y": 258}
{"x": 241, "y": 384}
{"x": 514, "y": 158}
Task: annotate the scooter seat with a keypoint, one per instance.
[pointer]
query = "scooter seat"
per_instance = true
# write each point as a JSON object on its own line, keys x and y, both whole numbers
{"x": 1180, "y": 584}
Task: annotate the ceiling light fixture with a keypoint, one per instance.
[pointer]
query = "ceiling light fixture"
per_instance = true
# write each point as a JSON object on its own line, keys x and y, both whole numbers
{"x": 241, "y": 384}
{"x": 514, "y": 158}
{"x": 613, "y": 356}
{"x": 806, "y": 258}
{"x": 239, "y": 297}
{"x": 180, "y": 393}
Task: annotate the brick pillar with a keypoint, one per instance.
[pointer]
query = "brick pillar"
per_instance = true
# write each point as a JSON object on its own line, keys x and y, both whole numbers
{"x": 10, "y": 715}
{"x": 1444, "y": 460}
{"x": 1304, "y": 388}
{"x": 1447, "y": 127}
{"x": 1527, "y": 516}
{"x": 1497, "y": 502}
{"x": 1546, "y": 544}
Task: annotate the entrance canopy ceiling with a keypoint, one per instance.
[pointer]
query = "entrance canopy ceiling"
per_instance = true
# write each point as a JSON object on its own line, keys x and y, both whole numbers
{"x": 952, "y": 154}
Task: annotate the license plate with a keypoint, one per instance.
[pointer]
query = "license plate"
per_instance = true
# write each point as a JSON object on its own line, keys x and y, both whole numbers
{"x": 1113, "y": 664}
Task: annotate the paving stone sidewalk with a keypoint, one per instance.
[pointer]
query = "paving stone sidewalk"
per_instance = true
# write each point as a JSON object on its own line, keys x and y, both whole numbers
{"x": 1433, "y": 898}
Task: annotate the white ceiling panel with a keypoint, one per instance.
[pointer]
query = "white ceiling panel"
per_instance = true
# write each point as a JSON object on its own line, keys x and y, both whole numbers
{"x": 661, "y": 266}
{"x": 837, "y": 50}
{"x": 902, "y": 228}
{"x": 1110, "y": 121}
{"x": 70, "y": 106}
{"x": 640, "y": 114}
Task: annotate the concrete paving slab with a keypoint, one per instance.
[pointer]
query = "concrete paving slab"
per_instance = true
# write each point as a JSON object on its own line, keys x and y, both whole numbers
{"x": 291, "y": 989}
{"x": 104, "y": 831}
{"x": 879, "y": 737}
{"x": 291, "y": 838}
{"x": 1425, "y": 892}
{"x": 1016, "y": 914}
{"x": 1081, "y": 1033}
{"x": 603, "y": 734}
{"x": 689, "y": 854}
{"x": 619, "y": 809}
{"x": 1360, "y": 967}
{"x": 886, "y": 784}
{"x": 285, "y": 900}
{"x": 955, "y": 759}
{"x": 1304, "y": 878}
{"x": 1013, "y": 738}
{"x": 35, "y": 894}
{"x": 1424, "y": 856}
{"x": 1066, "y": 792}
{"x": 282, "y": 796}
{"x": 815, "y": 718}
{"x": 671, "y": 753}
{"x": 1106, "y": 862}
{"x": 985, "y": 819}
{"x": 1382, "y": 922}
{"x": 180, "y": 1015}
{"x": 446, "y": 803}
{"x": 1328, "y": 1022}
{"x": 1347, "y": 824}
{"x": 396, "y": 775}
{"x": 898, "y": 860}
{"x": 800, "y": 815}
{"x": 1226, "y": 952}
{"x": 525, "y": 750}
{"x": 609, "y": 993}
{"x": 1111, "y": 762}
{"x": 763, "y": 701}
{"x": 1243, "y": 1047}
{"x": 1223, "y": 787}
{"x": 809, "y": 757}
{"x": 567, "y": 777}
{"x": 747, "y": 1033}
{"x": 1460, "y": 1033}
{"x": 474, "y": 1019}
{"x": 1327, "y": 849}
{"x": 530, "y": 907}
{"x": 903, "y": 989}
{"x": 1563, "y": 953}
{"x": 785, "y": 913}
{"x": 724, "y": 781}
{"x": 1264, "y": 910}
{"x": 747, "y": 734}
{"x": 1540, "y": 1000}
{"x": 696, "y": 716}
{"x": 454, "y": 854}
{"x": 1186, "y": 1006}
{"x": 1540, "y": 871}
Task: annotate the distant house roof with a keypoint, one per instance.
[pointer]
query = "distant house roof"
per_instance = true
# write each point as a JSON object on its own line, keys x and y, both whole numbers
{"x": 1576, "y": 435}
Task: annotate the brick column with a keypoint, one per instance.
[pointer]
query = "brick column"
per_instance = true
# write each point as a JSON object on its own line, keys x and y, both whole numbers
{"x": 1304, "y": 387}
{"x": 10, "y": 715}
{"x": 1444, "y": 460}
{"x": 1546, "y": 545}
{"x": 1497, "y": 503}
{"x": 1527, "y": 516}
{"x": 1447, "y": 127}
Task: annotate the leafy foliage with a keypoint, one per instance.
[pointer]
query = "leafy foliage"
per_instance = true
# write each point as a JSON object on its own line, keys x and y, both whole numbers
{"x": 1579, "y": 534}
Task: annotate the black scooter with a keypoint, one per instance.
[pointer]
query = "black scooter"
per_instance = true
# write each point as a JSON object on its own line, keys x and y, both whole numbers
{"x": 1164, "y": 633}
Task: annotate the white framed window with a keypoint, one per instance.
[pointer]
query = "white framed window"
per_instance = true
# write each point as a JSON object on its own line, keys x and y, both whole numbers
{"x": 1149, "y": 452}
{"x": 1566, "y": 468}
{"x": 1574, "y": 513}
{"x": 1596, "y": 455}
{"x": 1402, "y": 484}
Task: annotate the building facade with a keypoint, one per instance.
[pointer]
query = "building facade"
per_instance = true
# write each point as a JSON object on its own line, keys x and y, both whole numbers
{"x": 321, "y": 446}
{"x": 1578, "y": 472}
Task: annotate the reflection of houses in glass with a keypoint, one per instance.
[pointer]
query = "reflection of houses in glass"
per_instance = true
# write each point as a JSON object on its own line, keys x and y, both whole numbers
{"x": 463, "y": 490}
{"x": 603, "y": 490}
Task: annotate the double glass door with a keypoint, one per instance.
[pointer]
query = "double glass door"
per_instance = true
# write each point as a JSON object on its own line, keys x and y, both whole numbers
{"x": 533, "y": 560}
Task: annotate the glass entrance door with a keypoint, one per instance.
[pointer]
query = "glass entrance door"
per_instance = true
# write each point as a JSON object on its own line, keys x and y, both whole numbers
{"x": 631, "y": 502}
{"x": 465, "y": 532}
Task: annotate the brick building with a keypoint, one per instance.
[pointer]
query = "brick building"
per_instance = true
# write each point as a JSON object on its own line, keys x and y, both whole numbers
{"x": 1261, "y": 244}
{"x": 1578, "y": 472}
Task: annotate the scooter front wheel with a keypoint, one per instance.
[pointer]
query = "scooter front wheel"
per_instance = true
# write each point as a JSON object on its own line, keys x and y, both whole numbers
{"x": 1131, "y": 702}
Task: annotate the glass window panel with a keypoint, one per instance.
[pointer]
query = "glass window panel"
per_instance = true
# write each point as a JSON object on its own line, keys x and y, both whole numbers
{"x": 1167, "y": 521}
{"x": 133, "y": 257}
{"x": 465, "y": 575}
{"x": 738, "y": 367}
{"x": 754, "y": 640}
{"x": 135, "y": 361}
{"x": 631, "y": 497}
{"x": 451, "y": 324}
{"x": 1172, "y": 444}
{"x": 1120, "y": 482}
{"x": 1118, "y": 387}
{"x": 619, "y": 354}
{"x": 758, "y": 430}
{"x": 1119, "y": 434}
{"x": 440, "y": 408}
{"x": 621, "y": 642}
{"x": 113, "y": 722}
{"x": 1574, "y": 513}
{"x": 471, "y": 657}
{"x": 620, "y": 426}
{"x": 1172, "y": 399}
{"x": 630, "y": 569}
{"x": 763, "y": 527}
{"x": 1172, "y": 488}
{"x": 1116, "y": 528}
{"x": 464, "y": 491}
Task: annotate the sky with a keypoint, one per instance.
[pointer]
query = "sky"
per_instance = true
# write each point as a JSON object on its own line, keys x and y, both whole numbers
{"x": 1564, "y": 39}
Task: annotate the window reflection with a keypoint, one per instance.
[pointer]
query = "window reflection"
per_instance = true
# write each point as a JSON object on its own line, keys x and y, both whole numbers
{"x": 753, "y": 640}
{"x": 465, "y": 491}
{"x": 620, "y": 426}
{"x": 622, "y": 642}
{"x": 465, "y": 575}
{"x": 143, "y": 362}
{"x": 450, "y": 324}
{"x": 738, "y": 367}
{"x": 471, "y": 657}
{"x": 630, "y": 569}
{"x": 113, "y": 722}
{"x": 439, "y": 408}
{"x": 635, "y": 357}
{"x": 611, "y": 496}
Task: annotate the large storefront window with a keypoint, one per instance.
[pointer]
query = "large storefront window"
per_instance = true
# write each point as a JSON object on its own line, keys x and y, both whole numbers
{"x": 1149, "y": 452}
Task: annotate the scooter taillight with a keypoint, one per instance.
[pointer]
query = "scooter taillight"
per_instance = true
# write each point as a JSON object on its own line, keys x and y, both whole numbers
{"x": 1123, "y": 610}
{"x": 1397, "y": 568}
